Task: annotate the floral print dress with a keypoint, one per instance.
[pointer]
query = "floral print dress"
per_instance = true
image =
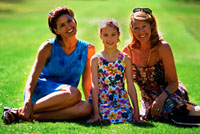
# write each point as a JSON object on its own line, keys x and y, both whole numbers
{"x": 152, "y": 82}
{"x": 114, "y": 105}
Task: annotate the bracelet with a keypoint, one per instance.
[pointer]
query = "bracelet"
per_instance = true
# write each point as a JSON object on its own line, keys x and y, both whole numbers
{"x": 168, "y": 92}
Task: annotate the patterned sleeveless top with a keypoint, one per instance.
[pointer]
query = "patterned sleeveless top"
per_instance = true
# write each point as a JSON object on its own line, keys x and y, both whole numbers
{"x": 152, "y": 82}
{"x": 114, "y": 105}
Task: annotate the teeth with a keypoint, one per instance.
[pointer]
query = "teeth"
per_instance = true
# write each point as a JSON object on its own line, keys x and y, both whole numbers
{"x": 70, "y": 30}
{"x": 109, "y": 43}
{"x": 143, "y": 36}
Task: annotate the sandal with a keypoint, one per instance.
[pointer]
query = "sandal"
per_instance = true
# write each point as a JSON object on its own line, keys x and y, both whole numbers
{"x": 10, "y": 115}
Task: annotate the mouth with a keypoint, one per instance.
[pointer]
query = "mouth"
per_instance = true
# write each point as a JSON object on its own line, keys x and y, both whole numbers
{"x": 110, "y": 43}
{"x": 142, "y": 36}
{"x": 71, "y": 30}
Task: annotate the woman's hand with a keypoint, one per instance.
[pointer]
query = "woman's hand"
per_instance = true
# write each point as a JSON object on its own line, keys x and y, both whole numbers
{"x": 157, "y": 105}
{"x": 94, "y": 119}
{"x": 27, "y": 112}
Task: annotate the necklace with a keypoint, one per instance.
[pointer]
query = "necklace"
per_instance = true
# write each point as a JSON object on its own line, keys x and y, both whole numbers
{"x": 149, "y": 56}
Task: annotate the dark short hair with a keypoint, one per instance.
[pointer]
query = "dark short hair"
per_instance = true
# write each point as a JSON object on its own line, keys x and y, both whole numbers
{"x": 55, "y": 14}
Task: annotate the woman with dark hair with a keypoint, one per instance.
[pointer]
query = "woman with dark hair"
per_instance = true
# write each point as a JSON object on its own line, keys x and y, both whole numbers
{"x": 51, "y": 90}
{"x": 164, "y": 98}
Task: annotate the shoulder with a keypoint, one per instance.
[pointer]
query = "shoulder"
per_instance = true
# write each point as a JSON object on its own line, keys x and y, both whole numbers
{"x": 94, "y": 59}
{"x": 85, "y": 43}
{"x": 91, "y": 47}
{"x": 45, "y": 47}
{"x": 125, "y": 55}
{"x": 127, "y": 58}
{"x": 164, "y": 49}
{"x": 125, "y": 49}
{"x": 91, "y": 50}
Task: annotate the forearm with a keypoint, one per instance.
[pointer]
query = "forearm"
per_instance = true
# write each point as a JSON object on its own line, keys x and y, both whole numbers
{"x": 95, "y": 101}
{"x": 171, "y": 88}
{"x": 134, "y": 100}
{"x": 86, "y": 85}
{"x": 29, "y": 89}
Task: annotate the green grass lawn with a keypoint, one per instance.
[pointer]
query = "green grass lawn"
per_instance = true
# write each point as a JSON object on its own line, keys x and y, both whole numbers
{"x": 23, "y": 27}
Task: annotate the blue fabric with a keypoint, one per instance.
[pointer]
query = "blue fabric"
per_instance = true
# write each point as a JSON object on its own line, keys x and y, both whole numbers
{"x": 61, "y": 69}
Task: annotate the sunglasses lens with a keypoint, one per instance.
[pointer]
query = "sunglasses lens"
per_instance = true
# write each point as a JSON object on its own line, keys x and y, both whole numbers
{"x": 146, "y": 10}
{"x": 136, "y": 10}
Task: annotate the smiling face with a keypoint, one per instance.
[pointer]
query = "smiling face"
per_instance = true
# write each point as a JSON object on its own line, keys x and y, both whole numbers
{"x": 141, "y": 30}
{"x": 109, "y": 36}
{"x": 66, "y": 26}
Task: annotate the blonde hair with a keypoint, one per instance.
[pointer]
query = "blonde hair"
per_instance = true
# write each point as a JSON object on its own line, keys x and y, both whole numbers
{"x": 155, "y": 38}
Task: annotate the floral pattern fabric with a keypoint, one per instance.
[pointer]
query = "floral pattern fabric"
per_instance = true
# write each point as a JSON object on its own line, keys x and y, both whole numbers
{"x": 152, "y": 82}
{"x": 114, "y": 105}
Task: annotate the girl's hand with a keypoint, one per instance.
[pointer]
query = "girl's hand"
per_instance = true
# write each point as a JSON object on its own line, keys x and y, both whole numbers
{"x": 27, "y": 112}
{"x": 94, "y": 119}
{"x": 138, "y": 119}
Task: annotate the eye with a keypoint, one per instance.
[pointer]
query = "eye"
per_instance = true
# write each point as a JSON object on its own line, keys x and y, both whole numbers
{"x": 136, "y": 28}
{"x": 62, "y": 25}
{"x": 113, "y": 34}
{"x": 105, "y": 34}
{"x": 70, "y": 20}
{"x": 144, "y": 26}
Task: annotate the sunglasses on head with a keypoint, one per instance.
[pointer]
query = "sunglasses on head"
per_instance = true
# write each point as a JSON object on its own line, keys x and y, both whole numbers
{"x": 146, "y": 10}
{"x": 53, "y": 11}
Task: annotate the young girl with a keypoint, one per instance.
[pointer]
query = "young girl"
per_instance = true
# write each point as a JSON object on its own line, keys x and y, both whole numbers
{"x": 109, "y": 97}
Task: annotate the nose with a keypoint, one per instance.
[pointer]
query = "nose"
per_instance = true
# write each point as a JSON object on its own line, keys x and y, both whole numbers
{"x": 141, "y": 30}
{"x": 110, "y": 38}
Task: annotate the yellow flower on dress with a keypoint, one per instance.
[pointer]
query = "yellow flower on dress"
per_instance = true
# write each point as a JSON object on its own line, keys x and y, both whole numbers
{"x": 110, "y": 67}
{"x": 113, "y": 72}
{"x": 124, "y": 95}
{"x": 107, "y": 81}
{"x": 103, "y": 96}
{"x": 100, "y": 75}
{"x": 123, "y": 63}
{"x": 119, "y": 72}
{"x": 110, "y": 90}
{"x": 112, "y": 115}
{"x": 100, "y": 85}
{"x": 104, "y": 67}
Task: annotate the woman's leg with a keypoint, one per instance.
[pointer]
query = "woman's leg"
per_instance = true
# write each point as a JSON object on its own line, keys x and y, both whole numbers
{"x": 80, "y": 110}
{"x": 58, "y": 100}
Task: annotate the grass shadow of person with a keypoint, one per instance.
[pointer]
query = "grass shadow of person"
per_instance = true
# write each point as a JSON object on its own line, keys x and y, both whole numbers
{"x": 147, "y": 124}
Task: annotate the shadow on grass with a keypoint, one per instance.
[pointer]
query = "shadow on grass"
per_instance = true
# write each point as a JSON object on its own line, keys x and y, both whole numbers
{"x": 94, "y": 124}
{"x": 82, "y": 122}
{"x": 145, "y": 124}
{"x": 179, "y": 124}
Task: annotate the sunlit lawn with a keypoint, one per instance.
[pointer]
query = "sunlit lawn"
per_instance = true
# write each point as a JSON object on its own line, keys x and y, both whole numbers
{"x": 23, "y": 27}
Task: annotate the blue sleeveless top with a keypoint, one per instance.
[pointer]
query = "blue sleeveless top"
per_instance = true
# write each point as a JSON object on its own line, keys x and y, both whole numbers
{"x": 61, "y": 69}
